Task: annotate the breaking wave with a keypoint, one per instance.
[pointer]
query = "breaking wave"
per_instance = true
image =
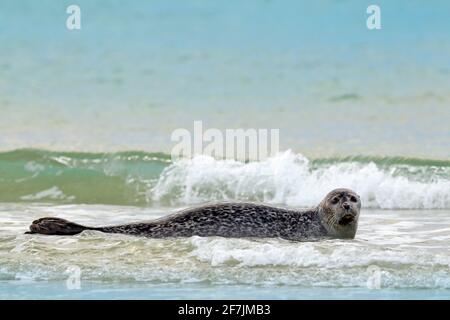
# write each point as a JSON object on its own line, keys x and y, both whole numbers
{"x": 152, "y": 179}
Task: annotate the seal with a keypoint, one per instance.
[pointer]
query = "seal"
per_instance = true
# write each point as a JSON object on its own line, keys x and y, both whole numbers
{"x": 335, "y": 217}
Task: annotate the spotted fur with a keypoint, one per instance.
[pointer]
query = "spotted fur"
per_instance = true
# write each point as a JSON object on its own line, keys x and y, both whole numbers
{"x": 232, "y": 220}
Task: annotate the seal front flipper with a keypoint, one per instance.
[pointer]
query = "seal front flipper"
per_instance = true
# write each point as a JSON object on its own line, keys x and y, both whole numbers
{"x": 56, "y": 226}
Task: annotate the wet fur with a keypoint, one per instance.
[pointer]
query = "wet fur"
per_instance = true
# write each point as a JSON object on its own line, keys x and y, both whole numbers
{"x": 232, "y": 220}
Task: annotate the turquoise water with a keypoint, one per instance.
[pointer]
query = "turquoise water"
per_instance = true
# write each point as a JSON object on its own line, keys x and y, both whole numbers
{"x": 86, "y": 119}
{"x": 93, "y": 291}
{"x": 136, "y": 72}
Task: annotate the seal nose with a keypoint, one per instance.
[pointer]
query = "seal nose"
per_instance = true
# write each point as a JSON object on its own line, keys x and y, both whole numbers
{"x": 346, "y": 206}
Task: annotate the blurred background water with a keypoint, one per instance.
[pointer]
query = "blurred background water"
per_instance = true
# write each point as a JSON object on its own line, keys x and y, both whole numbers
{"x": 369, "y": 110}
{"x": 137, "y": 71}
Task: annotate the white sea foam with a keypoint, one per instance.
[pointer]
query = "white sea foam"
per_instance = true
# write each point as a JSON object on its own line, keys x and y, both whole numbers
{"x": 51, "y": 193}
{"x": 409, "y": 248}
{"x": 290, "y": 179}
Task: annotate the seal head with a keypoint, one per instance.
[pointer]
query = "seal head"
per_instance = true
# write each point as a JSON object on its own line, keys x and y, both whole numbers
{"x": 339, "y": 213}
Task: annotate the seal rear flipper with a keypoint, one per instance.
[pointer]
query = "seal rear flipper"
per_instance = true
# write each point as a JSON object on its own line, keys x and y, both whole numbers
{"x": 56, "y": 226}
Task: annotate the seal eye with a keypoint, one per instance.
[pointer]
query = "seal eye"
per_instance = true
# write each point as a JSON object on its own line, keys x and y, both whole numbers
{"x": 353, "y": 199}
{"x": 335, "y": 200}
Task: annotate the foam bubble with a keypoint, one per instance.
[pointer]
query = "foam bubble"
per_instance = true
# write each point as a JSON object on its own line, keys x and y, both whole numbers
{"x": 51, "y": 193}
{"x": 291, "y": 179}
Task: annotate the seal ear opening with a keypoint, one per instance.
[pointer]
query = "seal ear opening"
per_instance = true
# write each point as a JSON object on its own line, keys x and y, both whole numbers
{"x": 55, "y": 226}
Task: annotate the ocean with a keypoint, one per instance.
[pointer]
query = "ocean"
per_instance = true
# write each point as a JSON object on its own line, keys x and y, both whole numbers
{"x": 85, "y": 135}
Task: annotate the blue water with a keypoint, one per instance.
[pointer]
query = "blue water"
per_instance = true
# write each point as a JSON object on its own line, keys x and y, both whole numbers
{"x": 137, "y": 71}
{"x": 58, "y": 290}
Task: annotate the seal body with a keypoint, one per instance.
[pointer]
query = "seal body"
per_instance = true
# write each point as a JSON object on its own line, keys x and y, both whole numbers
{"x": 335, "y": 217}
{"x": 231, "y": 220}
